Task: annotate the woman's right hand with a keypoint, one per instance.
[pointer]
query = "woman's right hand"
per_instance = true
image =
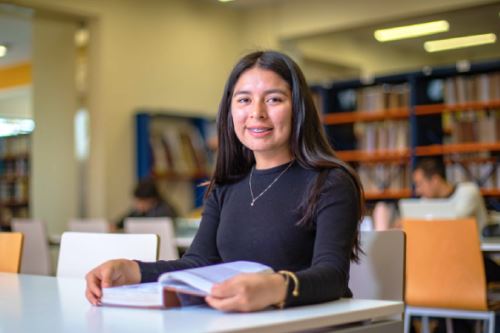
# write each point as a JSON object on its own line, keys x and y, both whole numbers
{"x": 109, "y": 274}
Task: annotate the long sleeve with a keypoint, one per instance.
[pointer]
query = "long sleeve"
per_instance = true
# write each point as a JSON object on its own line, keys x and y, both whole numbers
{"x": 267, "y": 232}
{"x": 202, "y": 252}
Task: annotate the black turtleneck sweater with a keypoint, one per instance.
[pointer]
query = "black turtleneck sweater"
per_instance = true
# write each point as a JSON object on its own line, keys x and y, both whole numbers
{"x": 231, "y": 229}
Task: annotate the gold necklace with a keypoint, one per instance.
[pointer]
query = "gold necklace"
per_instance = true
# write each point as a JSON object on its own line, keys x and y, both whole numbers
{"x": 268, "y": 187}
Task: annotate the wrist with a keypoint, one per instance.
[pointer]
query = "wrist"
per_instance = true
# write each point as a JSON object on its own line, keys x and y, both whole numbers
{"x": 290, "y": 281}
{"x": 281, "y": 287}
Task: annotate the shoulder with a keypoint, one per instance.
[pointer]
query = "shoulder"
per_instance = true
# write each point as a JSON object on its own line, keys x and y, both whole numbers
{"x": 341, "y": 177}
{"x": 467, "y": 187}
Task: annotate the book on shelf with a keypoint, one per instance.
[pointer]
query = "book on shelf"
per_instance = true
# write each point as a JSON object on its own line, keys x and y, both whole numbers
{"x": 178, "y": 288}
{"x": 177, "y": 147}
{"x": 382, "y": 135}
{"x": 381, "y": 177}
{"x": 462, "y": 89}
{"x": 382, "y": 97}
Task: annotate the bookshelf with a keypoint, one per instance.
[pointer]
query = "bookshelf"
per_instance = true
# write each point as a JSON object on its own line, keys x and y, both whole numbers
{"x": 14, "y": 177}
{"x": 381, "y": 127}
{"x": 174, "y": 150}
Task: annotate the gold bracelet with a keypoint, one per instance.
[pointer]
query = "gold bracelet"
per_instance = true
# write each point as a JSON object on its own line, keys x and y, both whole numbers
{"x": 287, "y": 275}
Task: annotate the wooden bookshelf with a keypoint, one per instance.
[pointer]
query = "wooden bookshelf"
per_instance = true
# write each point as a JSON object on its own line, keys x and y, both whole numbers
{"x": 472, "y": 147}
{"x": 338, "y": 118}
{"x": 444, "y": 106}
{"x": 12, "y": 157}
{"x": 423, "y": 110}
{"x": 374, "y": 156}
{"x": 490, "y": 192}
{"x": 389, "y": 194}
{"x": 14, "y": 203}
{"x": 172, "y": 149}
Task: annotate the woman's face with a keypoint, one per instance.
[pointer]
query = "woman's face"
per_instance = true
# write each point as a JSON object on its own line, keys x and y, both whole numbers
{"x": 261, "y": 108}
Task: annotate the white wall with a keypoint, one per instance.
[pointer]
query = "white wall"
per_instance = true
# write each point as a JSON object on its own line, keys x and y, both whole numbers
{"x": 16, "y": 103}
{"x": 53, "y": 190}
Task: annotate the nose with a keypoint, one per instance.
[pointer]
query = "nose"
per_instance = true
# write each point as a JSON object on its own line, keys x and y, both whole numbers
{"x": 259, "y": 110}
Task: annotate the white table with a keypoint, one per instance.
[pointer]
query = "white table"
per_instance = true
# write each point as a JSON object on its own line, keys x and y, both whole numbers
{"x": 490, "y": 244}
{"x": 31, "y": 303}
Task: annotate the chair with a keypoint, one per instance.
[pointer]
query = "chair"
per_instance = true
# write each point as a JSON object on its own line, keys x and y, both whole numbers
{"x": 163, "y": 227}
{"x": 89, "y": 225}
{"x": 80, "y": 252}
{"x": 445, "y": 274}
{"x": 380, "y": 272}
{"x": 11, "y": 250}
{"x": 36, "y": 254}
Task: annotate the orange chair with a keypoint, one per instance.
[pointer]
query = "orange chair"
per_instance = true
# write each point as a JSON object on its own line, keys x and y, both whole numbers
{"x": 445, "y": 274}
{"x": 11, "y": 250}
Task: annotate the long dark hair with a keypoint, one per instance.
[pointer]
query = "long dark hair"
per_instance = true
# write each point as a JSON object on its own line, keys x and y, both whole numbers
{"x": 308, "y": 143}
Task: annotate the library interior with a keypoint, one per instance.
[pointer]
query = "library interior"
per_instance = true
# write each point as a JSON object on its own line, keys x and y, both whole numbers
{"x": 109, "y": 128}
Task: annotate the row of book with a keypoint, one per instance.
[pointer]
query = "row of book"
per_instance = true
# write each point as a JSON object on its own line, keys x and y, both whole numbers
{"x": 178, "y": 148}
{"x": 382, "y": 135}
{"x": 14, "y": 146}
{"x": 14, "y": 192}
{"x": 473, "y": 126}
{"x": 380, "y": 177}
{"x": 12, "y": 168}
{"x": 486, "y": 174}
{"x": 474, "y": 88}
{"x": 381, "y": 97}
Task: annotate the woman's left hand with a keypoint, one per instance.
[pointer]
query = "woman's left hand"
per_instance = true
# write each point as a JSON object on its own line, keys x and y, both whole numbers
{"x": 248, "y": 292}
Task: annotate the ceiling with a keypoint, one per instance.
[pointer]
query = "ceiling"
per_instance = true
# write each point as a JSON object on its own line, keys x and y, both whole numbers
{"x": 348, "y": 52}
{"x": 357, "y": 49}
{"x": 15, "y": 32}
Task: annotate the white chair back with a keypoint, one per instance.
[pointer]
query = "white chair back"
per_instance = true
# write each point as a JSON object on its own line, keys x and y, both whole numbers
{"x": 80, "y": 252}
{"x": 380, "y": 273}
{"x": 36, "y": 253}
{"x": 161, "y": 226}
{"x": 89, "y": 225}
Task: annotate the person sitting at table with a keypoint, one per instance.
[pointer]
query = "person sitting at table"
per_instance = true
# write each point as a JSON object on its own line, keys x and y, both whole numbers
{"x": 148, "y": 202}
{"x": 278, "y": 196}
{"x": 430, "y": 182}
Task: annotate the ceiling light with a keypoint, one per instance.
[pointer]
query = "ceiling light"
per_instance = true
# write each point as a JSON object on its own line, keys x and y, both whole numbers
{"x": 459, "y": 42}
{"x": 225, "y": 0}
{"x": 3, "y": 50}
{"x": 411, "y": 31}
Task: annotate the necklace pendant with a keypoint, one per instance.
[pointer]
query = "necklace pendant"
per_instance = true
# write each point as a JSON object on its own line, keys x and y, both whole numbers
{"x": 252, "y": 203}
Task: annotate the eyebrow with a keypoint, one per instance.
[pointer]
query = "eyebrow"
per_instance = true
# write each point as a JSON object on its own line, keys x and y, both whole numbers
{"x": 267, "y": 92}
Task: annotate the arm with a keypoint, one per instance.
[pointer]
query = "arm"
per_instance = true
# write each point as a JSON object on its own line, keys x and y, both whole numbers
{"x": 336, "y": 224}
{"x": 466, "y": 199}
{"x": 202, "y": 252}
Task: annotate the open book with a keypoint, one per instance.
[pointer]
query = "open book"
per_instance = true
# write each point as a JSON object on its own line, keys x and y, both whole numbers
{"x": 178, "y": 287}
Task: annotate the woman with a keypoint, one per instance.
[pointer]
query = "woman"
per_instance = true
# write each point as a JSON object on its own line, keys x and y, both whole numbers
{"x": 278, "y": 196}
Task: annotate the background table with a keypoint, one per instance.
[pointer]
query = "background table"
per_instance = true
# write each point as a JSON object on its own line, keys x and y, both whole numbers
{"x": 30, "y": 303}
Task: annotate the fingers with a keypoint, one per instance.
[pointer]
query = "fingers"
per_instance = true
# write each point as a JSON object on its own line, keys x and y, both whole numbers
{"x": 93, "y": 291}
{"x": 234, "y": 294}
{"x": 225, "y": 304}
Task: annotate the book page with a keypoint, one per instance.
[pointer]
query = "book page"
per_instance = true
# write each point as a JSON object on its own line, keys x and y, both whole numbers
{"x": 203, "y": 278}
{"x": 143, "y": 294}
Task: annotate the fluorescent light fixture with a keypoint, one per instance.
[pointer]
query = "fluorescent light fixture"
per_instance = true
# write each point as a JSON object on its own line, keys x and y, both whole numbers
{"x": 459, "y": 42}
{"x": 9, "y": 127}
{"x": 3, "y": 50}
{"x": 225, "y": 0}
{"x": 411, "y": 31}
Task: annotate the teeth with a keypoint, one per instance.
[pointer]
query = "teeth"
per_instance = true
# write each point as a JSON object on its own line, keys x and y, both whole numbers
{"x": 258, "y": 130}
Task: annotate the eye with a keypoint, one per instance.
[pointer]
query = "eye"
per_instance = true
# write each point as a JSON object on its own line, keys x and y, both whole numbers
{"x": 275, "y": 100}
{"x": 242, "y": 100}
